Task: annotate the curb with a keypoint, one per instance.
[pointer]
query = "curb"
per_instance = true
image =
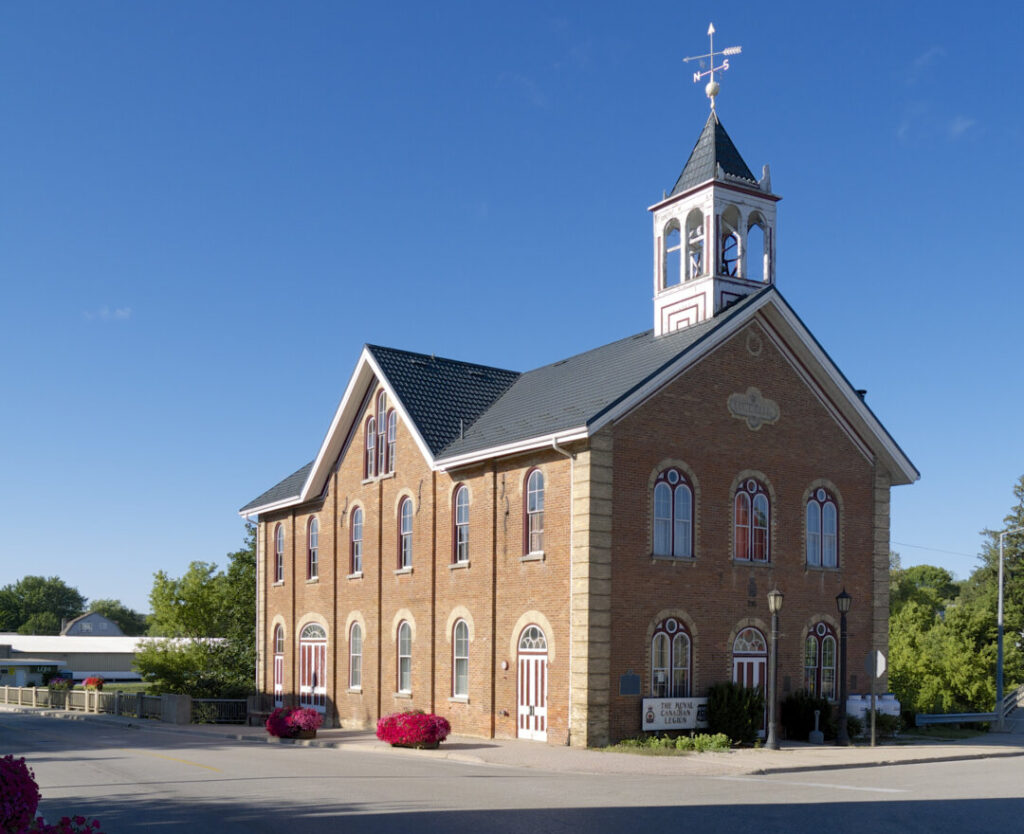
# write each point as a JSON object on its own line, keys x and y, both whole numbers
{"x": 960, "y": 757}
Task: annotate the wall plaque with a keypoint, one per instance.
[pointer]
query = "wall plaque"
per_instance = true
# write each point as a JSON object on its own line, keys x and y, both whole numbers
{"x": 753, "y": 407}
{"x": 675, "y": 713}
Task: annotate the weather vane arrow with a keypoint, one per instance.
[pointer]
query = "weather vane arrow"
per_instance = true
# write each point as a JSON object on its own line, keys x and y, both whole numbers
{"x": 711, "y": 90}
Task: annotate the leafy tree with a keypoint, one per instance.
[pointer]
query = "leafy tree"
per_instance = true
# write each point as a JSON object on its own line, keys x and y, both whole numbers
{"x": 216, "y": 612}
{"x": 132, "y": 623}
{"x": 36, "y": 605}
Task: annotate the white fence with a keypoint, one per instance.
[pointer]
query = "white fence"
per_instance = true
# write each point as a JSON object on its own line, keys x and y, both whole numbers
{"x": 179, "y": 709}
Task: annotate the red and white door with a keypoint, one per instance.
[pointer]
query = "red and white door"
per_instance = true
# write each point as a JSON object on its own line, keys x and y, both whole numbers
{"x": 532, "y": 698}
{"x": 750, "y": 660}
{"x": 313, "y": 667}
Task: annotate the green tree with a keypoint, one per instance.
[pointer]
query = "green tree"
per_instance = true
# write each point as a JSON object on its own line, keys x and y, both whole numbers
{"x": 132, "y": 623}
{"x": 215, "y": 612}
{"x": 36, "y": 605}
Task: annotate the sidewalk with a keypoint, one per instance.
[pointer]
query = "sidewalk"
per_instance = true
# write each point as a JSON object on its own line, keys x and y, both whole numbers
{"x": 793, "y": 757}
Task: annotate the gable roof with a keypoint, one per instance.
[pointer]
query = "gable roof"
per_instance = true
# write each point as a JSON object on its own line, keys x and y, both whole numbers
{"x": 503, "y": 412}
{"x": 713, "y": 148}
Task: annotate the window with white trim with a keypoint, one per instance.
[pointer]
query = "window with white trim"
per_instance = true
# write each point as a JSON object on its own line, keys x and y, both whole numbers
{"x": 279, "y": 553}
{"x": 672, "y": 255}
{"x": 820, "y": 662}
{"x": 461, "y": 537}
{"x": 670, "y": 660}
{"x": 535, "y": 512}
{"x": 751, "y": 522}
{"x": 822, "y": 529}
{"x": 392, "y": 436}
{"x": 355, "y": 657}
{"x": 460, "y": 660}
{"x": 370, "y": 457}
{"x": 356, "y": 527}
{"x": 673, "y": 514}
{"x": 279, "y": 666}
{"x": 313, "y": 667}
{"x": 404, "y": 657}
{"x": 405, "y": 533}
{"x": 313, "y": 549}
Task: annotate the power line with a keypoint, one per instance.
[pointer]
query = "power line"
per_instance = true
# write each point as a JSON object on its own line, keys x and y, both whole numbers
{"x": 937, "y": 550}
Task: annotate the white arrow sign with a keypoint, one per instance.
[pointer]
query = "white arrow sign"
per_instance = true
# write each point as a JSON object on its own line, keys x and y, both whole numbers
{"x": 874, "y": 664}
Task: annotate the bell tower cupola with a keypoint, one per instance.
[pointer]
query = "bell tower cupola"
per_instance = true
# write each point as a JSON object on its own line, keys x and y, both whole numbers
{"x": 714, "y": 234}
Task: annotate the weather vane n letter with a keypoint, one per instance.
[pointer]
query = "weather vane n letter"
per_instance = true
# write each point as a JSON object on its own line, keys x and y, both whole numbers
{"x": 712, "y": 87}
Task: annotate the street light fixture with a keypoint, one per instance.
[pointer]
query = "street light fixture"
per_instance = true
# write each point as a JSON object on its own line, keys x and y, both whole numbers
{"x": 774, "y": 606}
{"x": 1000, "y": 721}
{"x": 843, "y": 601}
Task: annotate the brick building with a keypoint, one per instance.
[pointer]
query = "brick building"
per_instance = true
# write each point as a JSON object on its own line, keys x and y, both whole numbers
{"x": 531, "y": 554}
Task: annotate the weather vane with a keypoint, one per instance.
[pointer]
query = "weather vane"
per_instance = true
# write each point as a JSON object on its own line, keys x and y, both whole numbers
{"x": 712, "y": 86}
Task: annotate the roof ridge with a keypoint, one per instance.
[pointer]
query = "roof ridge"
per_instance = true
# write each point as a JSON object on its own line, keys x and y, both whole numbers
{"x": 435, "y": 358}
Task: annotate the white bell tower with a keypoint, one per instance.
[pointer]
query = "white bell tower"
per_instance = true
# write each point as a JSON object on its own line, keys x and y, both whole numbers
{"x": 714, "y": 235}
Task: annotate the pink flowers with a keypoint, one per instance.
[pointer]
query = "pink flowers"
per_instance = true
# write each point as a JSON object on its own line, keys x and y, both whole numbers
{"x": 19, "y": 798}
{"x": 287, "y": 722}
{"x": 413, "y": 729}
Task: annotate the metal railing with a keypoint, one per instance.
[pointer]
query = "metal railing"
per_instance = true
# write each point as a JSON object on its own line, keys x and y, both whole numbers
{"x": 1011, "y": 702}
{"x": 219, "y": 711}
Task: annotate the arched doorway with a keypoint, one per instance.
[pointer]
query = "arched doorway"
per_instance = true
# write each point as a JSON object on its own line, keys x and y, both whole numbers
{"x": 532, "y": 685}
{"x": 279, "y": 666}
{"x": 313, "y": 667}
{"x": 750, "y": 661}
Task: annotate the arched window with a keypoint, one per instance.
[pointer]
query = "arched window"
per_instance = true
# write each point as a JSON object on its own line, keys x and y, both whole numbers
{"x": 371, "y": 438}
{"x": 460, "y": 660}
{"x": 670, "y": 660}
{"x": 312, "y": 549}
{"x": 672, "y": 255}
{"x": 755, "y": 258}
{"x": 405, "y": 533}
{"x": 313, "y": 667}
{"x": 382, "y": 434}
{"x": 356, "y": 527}
{"x": 535, "y": 512}
{"x": 392, "y": 436}
{"x": 673, "y": 515}
{"x": 404, "y": 657}
{"x": 694, "y": 244}
{"x": 820, "y": 662}
{"x": 279, "y": 666}
{"x": 751, "y": 521}
{"x": 279, "y": 553}
{"x": 355, "y": 657}
{"x": 822, "y": 529}
{"x": 730, "y": 248}
{"x": 461, "y": 537}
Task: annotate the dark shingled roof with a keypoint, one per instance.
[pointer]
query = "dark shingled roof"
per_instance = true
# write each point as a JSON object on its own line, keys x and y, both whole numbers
{"x": 290, "y": 487}
{"x": 579, "y": 390}
{"x": 441, "y": 396}
{"x": 714, "y": 147}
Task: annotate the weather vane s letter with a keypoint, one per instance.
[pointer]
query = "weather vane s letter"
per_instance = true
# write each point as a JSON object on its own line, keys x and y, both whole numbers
{"x": 712, "y": 87}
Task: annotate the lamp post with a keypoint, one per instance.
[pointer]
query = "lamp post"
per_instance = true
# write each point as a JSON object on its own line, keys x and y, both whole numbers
{"x": 775, "y": 606}
{"x": 1000, "y": 722}
{"x": 843, "y": 601}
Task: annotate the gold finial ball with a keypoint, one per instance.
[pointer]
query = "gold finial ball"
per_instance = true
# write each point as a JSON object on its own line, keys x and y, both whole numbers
{"x": 711, "y": 90}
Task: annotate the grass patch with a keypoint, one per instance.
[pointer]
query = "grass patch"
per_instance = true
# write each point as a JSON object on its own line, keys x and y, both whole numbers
{"x": 666, "y": 746}
{"x": 129, "y": 687}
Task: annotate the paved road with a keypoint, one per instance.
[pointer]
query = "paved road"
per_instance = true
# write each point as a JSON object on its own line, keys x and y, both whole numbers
{"x": 137, "y": 779}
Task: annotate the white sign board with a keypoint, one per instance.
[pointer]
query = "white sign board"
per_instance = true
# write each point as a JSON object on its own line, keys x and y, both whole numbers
{"x": 874, "y": 664}
{"x": 675, "y": 713}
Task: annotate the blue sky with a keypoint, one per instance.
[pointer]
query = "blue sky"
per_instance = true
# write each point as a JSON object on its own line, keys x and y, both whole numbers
{"x": 206, "y": 208}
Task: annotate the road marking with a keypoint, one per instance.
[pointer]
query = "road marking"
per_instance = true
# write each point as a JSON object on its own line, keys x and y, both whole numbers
{"x": 826, "y": 785}
{"x": 171, "y": 759}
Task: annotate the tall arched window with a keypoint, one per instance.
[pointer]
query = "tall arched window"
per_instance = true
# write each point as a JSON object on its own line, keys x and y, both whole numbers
{"x": 694, "y": 244}
{"x": 279, "y": 553}
{"x": 313, "y": 667}
{"x": 312, "y": 549}
{"x": 751, "y": 521}
{"x": 673, "y": 514}
{"x": 755, "y": 258}
{"x": 535, "y": 512}
{"x": 670, "y": 660}
{"x": 460, "y": 660}
{"x": 730, "y": 249}
{"x": 461, "y": 537}
{"x": 672, "y": 255}
{"x": 822, "y": 529}
{"x": 279, "y": 666}
{"x": 405, "y": 533}
{"x": 370, "y": 459}
{"x": 820, "y": 662}
{"x": 392, "y": 436}
{"x": 404, "y": 657}
{"x": 356, "y": 528}
{"x": 355, "y": 657}
{"x": 382, "y": 434}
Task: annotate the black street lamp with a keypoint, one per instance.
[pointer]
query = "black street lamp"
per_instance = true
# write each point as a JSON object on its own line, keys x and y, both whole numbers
{"x": 843, "y": 601}
{"x": 775, "y": 606}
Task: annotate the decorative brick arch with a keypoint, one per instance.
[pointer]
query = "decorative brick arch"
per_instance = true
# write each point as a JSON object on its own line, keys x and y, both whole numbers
{"x": 691, "y": 628}
{"x": 830, "y": 486}
{"x": 459, "y": 612}
{"x": 683, "y": 466}
{"x": 403, "y": 614}
{"x": 773, "y": 510}
{"x": 532, "y": 618}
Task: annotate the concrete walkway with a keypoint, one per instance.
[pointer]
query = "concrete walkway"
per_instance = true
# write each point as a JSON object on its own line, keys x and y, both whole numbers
{"x": 793, "y": 757}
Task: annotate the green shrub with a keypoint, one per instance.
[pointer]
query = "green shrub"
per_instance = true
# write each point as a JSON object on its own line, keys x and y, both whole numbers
{"x": 797, "y": 716}
{"x": 735, "y": 711}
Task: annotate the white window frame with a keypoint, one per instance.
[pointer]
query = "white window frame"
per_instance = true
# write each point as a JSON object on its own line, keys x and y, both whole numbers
{"x": 405, "y": 533}
{"x": 279, "y": 553}
{"x": 461, "y": 525}
{"x": 535, "y": 512}
{"x": 356, "y": 554}
{"x": 355, "y": 657}
{"x": 313, "y": 549}
{"x": 460, "y": 660}
{"x": 404, "y": 657}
